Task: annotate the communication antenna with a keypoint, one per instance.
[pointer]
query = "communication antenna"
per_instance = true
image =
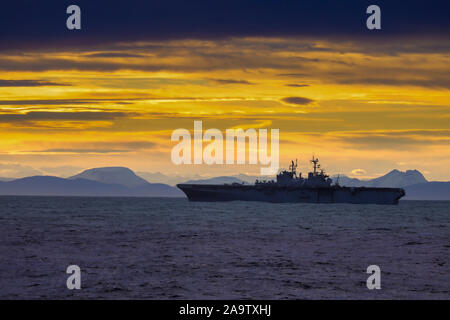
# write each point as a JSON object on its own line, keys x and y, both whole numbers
{"x": 315, "y": 161}
{"x": 293, "y": 166}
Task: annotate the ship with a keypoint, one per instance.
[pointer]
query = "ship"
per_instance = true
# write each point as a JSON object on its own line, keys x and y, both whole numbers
{"x": 291, "y": 187}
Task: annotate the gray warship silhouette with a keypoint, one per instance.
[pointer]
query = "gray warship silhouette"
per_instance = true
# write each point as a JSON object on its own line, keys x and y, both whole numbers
{"x": 292, "y": 187}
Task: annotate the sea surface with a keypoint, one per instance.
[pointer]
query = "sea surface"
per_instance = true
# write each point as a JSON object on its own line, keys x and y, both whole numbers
{"x": 155, "y": 248}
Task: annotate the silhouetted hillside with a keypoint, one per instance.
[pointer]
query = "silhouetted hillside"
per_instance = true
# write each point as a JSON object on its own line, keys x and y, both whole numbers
{"x": 428, "y": 191}
{"x": 393, "y": 179}
{"x": 112, "y": 175}
{"x": 54, "y": 186}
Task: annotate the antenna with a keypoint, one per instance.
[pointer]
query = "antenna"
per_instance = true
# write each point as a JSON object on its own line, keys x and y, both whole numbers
{"x": 293, "y": 166}
{"x": 315, "y": 161}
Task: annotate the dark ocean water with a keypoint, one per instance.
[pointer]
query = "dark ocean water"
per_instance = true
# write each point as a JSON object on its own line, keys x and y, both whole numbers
{"x": 148, "y": 248}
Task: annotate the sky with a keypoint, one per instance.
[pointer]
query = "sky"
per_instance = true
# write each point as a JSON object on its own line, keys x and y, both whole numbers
{"x": 365, "y": 102}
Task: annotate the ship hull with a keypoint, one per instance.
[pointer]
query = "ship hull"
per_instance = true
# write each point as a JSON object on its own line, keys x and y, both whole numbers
{"x": 287, "y": 194}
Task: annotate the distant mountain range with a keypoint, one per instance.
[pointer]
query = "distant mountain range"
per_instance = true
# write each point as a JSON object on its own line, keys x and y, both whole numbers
{"x": 393, "y": 179}
{"x": 428, "y": 191}
{"x": 110, "y": 181}
{"x": 415, "y": 185}
{"x": 121, "y": 181}
{"x": 112, "y": 175}
{"x": 158, "y": 177}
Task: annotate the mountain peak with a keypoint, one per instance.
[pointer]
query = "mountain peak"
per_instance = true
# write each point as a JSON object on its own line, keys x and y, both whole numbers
{"x": 112, "y": 175}
{"x": 398, "y": 179}
{"x": 109, "y": 169}
{"x": 394, "y": 178}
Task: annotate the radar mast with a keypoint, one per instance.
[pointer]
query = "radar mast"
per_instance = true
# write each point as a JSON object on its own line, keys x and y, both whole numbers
{"x": 293, "y": 166}
{"x": 315, "y": 161}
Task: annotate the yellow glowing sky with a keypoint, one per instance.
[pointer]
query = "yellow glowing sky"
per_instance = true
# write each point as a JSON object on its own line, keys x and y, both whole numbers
{"x": 371, "y": 109}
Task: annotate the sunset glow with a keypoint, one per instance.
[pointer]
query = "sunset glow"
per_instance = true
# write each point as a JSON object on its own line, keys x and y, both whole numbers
{"x": 357, "y": 105}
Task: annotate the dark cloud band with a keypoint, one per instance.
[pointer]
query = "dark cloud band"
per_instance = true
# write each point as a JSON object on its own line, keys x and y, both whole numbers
{"x": 297, "y": 100}
{"x": 29, "y": 83}
{"x": 26, "y": 24}
{"x": 62, "y": 116}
